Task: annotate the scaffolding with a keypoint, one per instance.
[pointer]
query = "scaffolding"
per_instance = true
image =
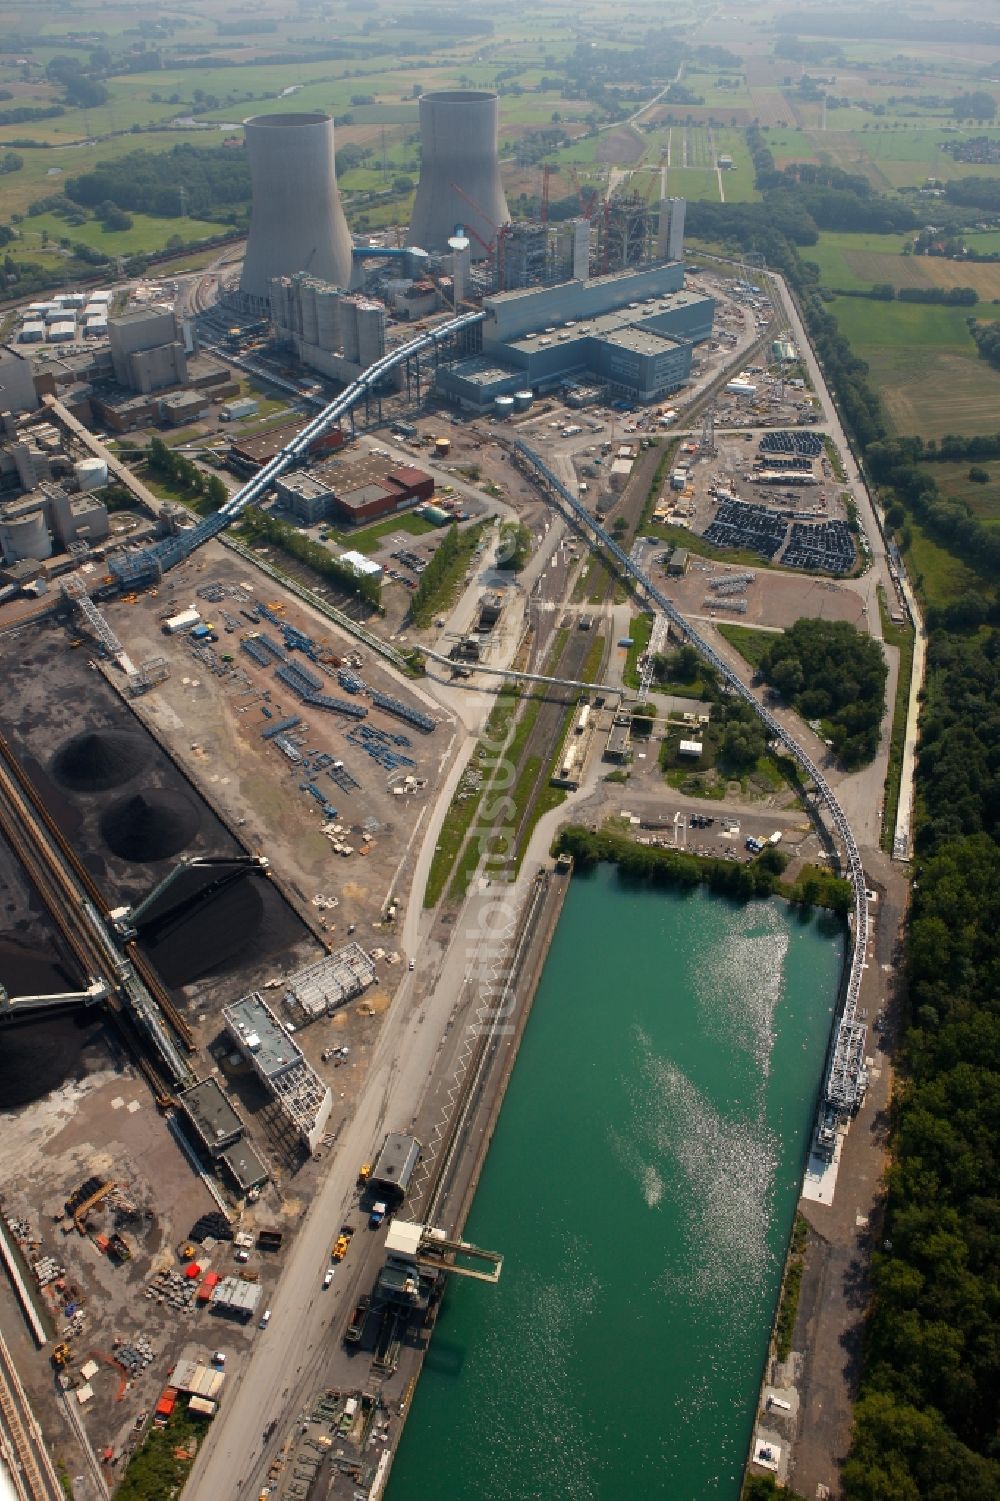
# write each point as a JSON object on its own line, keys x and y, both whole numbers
{"x": 320, "y": 988}
{"x": 626, "y": 232}
{"x": 147, "y": 675}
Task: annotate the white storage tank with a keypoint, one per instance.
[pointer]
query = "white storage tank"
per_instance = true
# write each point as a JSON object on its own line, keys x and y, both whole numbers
{"x": 503, "y": 405}
{"x": 91, "y": 474}
{"x": 523, "y": 400}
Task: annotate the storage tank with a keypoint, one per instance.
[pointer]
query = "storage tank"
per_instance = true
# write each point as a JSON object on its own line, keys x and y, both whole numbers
{"x": 503, "y": 405}
{"x": 297, "y": 220}
{"x": 25, "y": 536}
{"x": 442, "y": 447}
{"x": 459, "y": 151}
{"x": 523, "y": 400}
{"x": 91, "y": 474}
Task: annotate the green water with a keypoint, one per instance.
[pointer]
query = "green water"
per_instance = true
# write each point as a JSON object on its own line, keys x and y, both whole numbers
{"x": 641, "y": 1185}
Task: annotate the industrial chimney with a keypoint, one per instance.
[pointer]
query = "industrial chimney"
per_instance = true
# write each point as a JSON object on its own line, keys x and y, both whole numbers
{"x": 459, "y": 171}
{"x": 297, "y": 222}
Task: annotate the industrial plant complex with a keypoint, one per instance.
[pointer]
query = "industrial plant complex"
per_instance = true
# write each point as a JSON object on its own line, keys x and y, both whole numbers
{"x": 285, "y": 535}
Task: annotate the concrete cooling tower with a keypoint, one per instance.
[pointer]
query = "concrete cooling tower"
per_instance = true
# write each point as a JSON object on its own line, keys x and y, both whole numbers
{"x": 297, "y": 221}
{"x": 458, "y": 138}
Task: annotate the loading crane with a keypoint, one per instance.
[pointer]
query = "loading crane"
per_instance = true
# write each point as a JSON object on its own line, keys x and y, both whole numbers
{"x": 127, "y": 919}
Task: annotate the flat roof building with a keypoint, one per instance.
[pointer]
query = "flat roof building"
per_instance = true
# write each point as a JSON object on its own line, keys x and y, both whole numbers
{"x": 633, "y": 331}
{"x": 395, "y": 1165}
{"x": 279, "y": 1063}
{"x": 214, "y": 1119}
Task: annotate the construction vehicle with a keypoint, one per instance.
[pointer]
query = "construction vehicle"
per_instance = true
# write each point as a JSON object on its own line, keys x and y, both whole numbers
{"x": 356, "y": 1327}
{"x": 60, "y": 1355}
{"x": 82, "y": 1210}
{"x": 342, "y": 1242}
{"x": 364, "y": 1172}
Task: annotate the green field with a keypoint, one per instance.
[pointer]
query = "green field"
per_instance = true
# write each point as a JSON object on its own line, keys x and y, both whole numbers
{"x": 924, "y": 364}
{"x": 938, "y": 576}
{"x": 954, "y": 483}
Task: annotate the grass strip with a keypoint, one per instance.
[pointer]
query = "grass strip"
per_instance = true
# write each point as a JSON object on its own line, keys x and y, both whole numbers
{"x": 901, "y": 637}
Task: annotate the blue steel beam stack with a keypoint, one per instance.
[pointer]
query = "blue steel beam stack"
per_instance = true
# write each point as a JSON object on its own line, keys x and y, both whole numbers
{"x": 396, "y": 706}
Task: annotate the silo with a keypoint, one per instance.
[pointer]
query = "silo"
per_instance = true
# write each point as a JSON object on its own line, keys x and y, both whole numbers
{"x": 91, "y": 474}
{"x": 371, "y": 332}
{"x": 25, "y": 535}
{"x": 328, "y": 300}
{"x": 459, "y": 146}
{"x": 297, "y": 222}
{"x": 349, "y": 329}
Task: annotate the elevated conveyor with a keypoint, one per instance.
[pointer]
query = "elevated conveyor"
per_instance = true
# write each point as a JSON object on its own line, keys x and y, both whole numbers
{"x": 845, "y": 1078}
{"x": 149, "y": 564}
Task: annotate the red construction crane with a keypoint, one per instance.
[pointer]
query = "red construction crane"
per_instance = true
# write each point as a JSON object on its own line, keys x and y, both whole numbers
{"x": 587, "y": 196}
{"x": 547, "y": 170}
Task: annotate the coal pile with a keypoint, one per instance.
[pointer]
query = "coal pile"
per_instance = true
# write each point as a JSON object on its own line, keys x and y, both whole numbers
{"x": 188, "y": 935}
{"x": 38, "y": 1057}
{"x": 100, "y": 759}
{"x": 150, "y": 825}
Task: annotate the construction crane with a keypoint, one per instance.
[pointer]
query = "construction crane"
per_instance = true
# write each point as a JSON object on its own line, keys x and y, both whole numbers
{"x": 97, "y": 1197}
{"x": 547, "y": 170}
{"x": 587, "y": 197}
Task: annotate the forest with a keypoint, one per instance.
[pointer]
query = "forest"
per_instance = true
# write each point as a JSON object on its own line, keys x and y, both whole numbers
{"x": 830, "y": 672}
{"x": 203, "y": 181}
{"x": 926, "y": 1422}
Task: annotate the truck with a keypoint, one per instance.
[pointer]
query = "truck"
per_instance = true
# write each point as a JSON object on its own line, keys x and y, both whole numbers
{"x": 775, "y": 838}
{"x": 356, "y": 1327}
{"x": 377, "y": 1215}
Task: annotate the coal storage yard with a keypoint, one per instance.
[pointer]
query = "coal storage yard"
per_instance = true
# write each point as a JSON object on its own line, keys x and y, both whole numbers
{"x": 150, "y": 825}
{"x": 99, "y": 760}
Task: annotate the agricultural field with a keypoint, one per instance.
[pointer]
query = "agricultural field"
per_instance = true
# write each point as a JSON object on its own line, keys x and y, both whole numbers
{"x": 924, "y": 364}
{"x": 853, "y": 262}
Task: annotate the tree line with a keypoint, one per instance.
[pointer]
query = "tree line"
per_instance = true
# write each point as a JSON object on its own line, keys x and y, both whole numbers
{"x": 259, "y": 526}
{"x": 927, "y": 1418}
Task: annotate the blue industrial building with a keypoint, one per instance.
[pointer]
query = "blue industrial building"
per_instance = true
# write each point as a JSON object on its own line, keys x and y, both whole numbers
{"x": 633, "y": 332}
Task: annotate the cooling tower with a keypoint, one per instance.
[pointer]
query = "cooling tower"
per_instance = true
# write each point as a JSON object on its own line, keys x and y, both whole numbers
{"x": 458, "y": 138}
{"x": 297, "y": 222}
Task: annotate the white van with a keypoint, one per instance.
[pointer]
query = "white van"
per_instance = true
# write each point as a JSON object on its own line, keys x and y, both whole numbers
{"x": 265, "y": 1319}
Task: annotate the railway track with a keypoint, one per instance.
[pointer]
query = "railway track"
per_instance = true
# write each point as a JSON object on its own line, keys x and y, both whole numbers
{"x": 81, "y": 914}
{"x": 485, "y": 1036}
{"x": 31, "y": 1472}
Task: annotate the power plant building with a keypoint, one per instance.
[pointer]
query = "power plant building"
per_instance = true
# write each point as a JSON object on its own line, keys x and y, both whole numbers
{"x": 297, "y": 220}
{"x": 459, "y": 171}
{"x": 17, "y": 384}
{"x": 48, "y": 520}
{"x": 633, "y": 331}
{"x": 147, "y": 353}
